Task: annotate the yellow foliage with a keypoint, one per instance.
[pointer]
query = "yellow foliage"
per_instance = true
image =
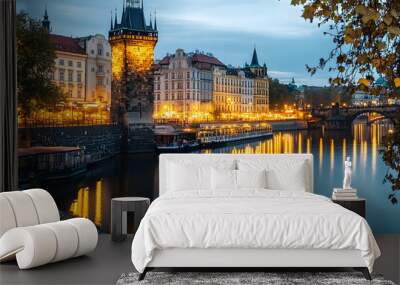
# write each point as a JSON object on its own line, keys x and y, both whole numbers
{"x": 363, "y": 81}
{"x": 397, "y": 82}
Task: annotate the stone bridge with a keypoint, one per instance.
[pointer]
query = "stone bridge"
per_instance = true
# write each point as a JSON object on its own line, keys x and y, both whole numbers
{"x": 342, "y": 117}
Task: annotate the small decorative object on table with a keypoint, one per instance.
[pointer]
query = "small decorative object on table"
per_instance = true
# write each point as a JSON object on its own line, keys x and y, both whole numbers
{"x": 347, "y": 192}
{"x": 347, "y": 196}
{"x": 119, "y": 209}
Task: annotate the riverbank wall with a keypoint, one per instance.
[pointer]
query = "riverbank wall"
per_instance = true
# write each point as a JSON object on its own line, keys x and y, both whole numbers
{"x": 293, "y": 125}
{"x": 98, "y": 142}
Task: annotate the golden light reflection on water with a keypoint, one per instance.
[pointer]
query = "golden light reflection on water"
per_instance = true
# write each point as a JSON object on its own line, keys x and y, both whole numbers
{"x": 356, "y": 146}
{"x": 365, "y": 140}
{"x": 88, "y": 203}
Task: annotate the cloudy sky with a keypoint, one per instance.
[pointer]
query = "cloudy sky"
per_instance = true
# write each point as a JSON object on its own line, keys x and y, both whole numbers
{"x": 229, "y": 29}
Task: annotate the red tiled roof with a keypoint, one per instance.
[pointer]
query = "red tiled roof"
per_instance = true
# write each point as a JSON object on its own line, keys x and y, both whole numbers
{"x": 67, "y": 44}
{"x": 202, "y": 58}
{"x": 164, "y": 61}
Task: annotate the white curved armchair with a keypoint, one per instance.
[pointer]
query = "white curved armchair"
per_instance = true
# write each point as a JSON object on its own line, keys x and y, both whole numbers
{"x": 31, "y": 230}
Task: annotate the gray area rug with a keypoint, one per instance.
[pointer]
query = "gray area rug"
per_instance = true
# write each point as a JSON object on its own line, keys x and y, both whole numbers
{"x": 269, "y": 278}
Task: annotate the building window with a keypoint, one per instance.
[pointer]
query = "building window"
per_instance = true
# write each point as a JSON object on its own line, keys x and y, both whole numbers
{"x": 70, "y": 92}
{"x": 92, "y": 69}
{"x": 70, "y": 63}
{"x": 61, "y": 74}
{"x": 100, "y": 68}
{"x": 100, "y": 49}
{"x": 70, "y": 76}
{"x": 188, "y": 95}
{"x": 158, "y": 96}
{"x": 92, "y": 51}
{"x": 173, "y": 75}
{"x": 107, "y": 54}
{"x": 61, "y": 62}
{"x": 51, "y": 75}
{"x": 79, "y": 94}
{"x": 99, "y": 81}
{"x": 79, "y": 77}
{"x": 187, "y": 84}
{"x": 188, "y": 75}
{"x": 166, "y": 76}
{"x": 166, "y": 85}
{"x": 79, "y": 64}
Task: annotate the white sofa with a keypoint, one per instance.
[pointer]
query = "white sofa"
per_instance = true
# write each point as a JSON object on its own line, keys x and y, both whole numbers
{"x": 31, "y": 231}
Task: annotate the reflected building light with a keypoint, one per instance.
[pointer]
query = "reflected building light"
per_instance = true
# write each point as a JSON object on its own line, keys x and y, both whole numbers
{"x": 308, "y": 145}
{"x": 98, "y": 206}
{"x": 364, "y": 154}
{"x": 80, "y": 206}
{"x": 374, "y": 150}
{"x": 85, "y": 203}
{"x": 332, "y": 155}
{"x": 344, "y": 151}
{"x": 321, "y": 152}
{"x": 354, "y": 154}
{"x": 300, "y": 143}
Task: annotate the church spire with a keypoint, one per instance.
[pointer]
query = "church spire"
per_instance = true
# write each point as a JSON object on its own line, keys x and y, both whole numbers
{"x": 115, "y": 19}
{"x": 254, "y": 60}
{"x": 111, "y": 26}
{"x": 155, "y": 20}
{"x": 151, "y": 22}
{"x": 46, "y": 22}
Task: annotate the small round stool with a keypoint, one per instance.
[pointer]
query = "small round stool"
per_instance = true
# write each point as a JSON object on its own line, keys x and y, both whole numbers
{"x": 119, "y": 209}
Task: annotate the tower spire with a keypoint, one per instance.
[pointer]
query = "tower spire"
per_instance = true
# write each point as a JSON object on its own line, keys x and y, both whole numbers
{"x": 46, "y": 22}
{"x": 254, "y": 60}
{"x": 155, "y": 20}
{"x": 111, "y": 26}
{"x": 151, "y": 22}
{"x": 115, "y": 19}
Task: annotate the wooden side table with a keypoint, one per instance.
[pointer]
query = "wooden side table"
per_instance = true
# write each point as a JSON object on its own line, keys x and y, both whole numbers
{"x": 119, "y": 209}
{"x": 357, "y": 206}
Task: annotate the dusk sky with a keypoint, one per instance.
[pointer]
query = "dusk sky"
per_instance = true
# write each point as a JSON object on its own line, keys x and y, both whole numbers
{"x": 229, "y": 29}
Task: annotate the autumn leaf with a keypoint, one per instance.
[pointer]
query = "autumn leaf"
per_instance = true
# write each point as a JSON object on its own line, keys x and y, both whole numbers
{"x": 394, "y": 30}
{"x": 362, "y": 10}
{"x": 397, "y": 82}
{"x": 363, "y": 81}
{"x": 388, "y": 20}
{"x": 381, "y": 45}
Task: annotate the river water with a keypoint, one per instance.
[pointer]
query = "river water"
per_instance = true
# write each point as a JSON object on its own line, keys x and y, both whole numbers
{"x": 89, "y": 195}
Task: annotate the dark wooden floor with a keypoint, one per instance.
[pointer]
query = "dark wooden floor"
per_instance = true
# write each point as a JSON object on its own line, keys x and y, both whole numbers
{"x": 110, "y": 260}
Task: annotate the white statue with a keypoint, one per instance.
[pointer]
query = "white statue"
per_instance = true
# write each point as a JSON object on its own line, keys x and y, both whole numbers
{"x": 347, "y": 174}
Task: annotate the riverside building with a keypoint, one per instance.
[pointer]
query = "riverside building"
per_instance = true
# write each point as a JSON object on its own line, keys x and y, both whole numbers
{"x": 198, "y": 87}
{"x": 83, "y": 71}
{"x": 183, "y": 86}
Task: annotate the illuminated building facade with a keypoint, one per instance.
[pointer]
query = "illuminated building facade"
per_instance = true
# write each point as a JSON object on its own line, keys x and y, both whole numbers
{"x": 70, "y": 68}
{"x": 261, "y": 84}
{"x": 132, "y": 42}
{"x": 199, "y": 87}
{"x": 83, "y": 71}
{"x": 233, "y": 92}
{"x": 183, "y": 86}
{"x": 98, "y": 69}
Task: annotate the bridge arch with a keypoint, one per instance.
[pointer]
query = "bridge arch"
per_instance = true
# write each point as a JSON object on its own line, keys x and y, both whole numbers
{"x": 387, "y": 115}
